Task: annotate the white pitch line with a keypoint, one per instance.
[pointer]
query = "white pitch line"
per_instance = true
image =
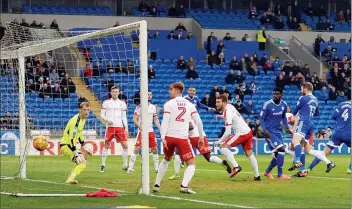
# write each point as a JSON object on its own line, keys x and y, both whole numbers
{"x": 315, "y": 177}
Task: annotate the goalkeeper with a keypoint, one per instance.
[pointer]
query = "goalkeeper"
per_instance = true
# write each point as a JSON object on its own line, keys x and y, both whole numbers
{"x": 73, "y": 135}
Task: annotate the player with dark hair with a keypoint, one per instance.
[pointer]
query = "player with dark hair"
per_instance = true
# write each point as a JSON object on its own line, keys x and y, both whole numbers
{"x": 271, "y": 117}
{"x": 307, "y": 109}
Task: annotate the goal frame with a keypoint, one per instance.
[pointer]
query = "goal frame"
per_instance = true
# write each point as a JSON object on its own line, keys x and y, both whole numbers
{"x": 48, "y": 45}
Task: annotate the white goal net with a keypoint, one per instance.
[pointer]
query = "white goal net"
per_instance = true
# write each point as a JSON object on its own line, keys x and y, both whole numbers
{"x": 44, "y": 75}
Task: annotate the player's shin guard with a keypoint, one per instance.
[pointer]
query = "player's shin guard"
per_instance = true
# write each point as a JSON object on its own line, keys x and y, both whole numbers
{"x": 215, "y": 159}
{"x": 125, "y": 158}
{"x": 298, "y": 151}
{"x": 104, "y": 156}
{"x": 229, "y": 156}
{"x": 177, "y": 164}
{"x": 314, "y": 163}
{"x": 156, "y": 161}
{"x": 132, "y": 160}
{"x": 303, "y": 161}
{"x": 188, "y": 175}
{"x": 319, "y": 155}
{"x": 280, "y": 162}
{"x": 254, "y": 165}
{"x": 161, "y": 171}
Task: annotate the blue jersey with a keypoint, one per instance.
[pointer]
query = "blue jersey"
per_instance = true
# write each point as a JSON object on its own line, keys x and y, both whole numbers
{"x": 342, "y": 115}
{"x": 307, "y": 108}
{"x": 195, "y": 100}
{"x": 272, "y": 115}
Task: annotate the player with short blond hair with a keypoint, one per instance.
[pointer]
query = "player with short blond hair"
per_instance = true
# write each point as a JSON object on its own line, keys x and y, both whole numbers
{"x": 113, "y": 111}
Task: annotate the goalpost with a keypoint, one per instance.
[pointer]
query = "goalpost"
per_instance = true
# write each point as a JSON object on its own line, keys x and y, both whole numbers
{"x": 118, "y": 44}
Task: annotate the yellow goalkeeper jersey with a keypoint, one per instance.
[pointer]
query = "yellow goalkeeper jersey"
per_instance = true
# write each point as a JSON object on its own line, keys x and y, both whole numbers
{"x": 73, "y": 133}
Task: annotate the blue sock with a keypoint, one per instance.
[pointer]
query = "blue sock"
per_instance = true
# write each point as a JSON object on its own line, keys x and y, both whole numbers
{"x": 280, "y": 163}
{"x": 272, "y": 165}
{"x": 315, "y": 162}
{"x": 303, "y": 161}
{"x": 298, "y": 151}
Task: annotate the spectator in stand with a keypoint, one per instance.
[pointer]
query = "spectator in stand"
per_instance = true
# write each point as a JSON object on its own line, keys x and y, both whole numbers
{"x": 295, "y": 24}
{"x": 321, "y": 134}
{"x": 287, "y": 68}
{"x": 151, "y": 72}
{"x": 81, "y": 99}
{"x": 116, "y": 24}
{"x": 61, "y": 70}
{"x": 334, "y": 74}
{"x": 179, "y": 35}
{"x": 265, "y": 20}
{"x": 227, "y": 37}
{"x": 263, "y": 60}
{"x": 332, "y": 39}
{"x": 210, "y": 38}
{"x": 130, "y": 68}
{"x": 97, "y": 69}
{"x": 329, "y": 25}
{"x": 24, "y": 23}
{"x": 189, "y": 36}
{"x": 181, "y": 63}
{"x": 280, "y": 82}
{"x": 71, "y": 86}
{"x": 346, "y": 70}
{"x": 110, "y": 67}
{"x": 299, "y": 79}
{"x": 45, "y": 91}
{"x": 255, "y": 58}
{"x": 171, "y": 36}
{"x": 109, "y": 83}
{"x": 191, "y": 63}
{"x": 315, "y": 81}
{"x": 321, "y": 12}
{"x": 324, "y": 94}
{"x": 137, "y": 98}
{"x": 173, "y": 11}
{"x": 122, "y": 96}
{"x": 253, "y": 14}
{"x": 213, "y": 59}
{"x": 239, "y": 78}
{"x": 296, "y": 10}
{"x": 253, "y": 70}
{"x": 340, "y": 17}
{"x": 341, "y": 97}
{"x": 278, "y": 10}
{"x": 267, "y": 66}
{"x": 87, "y": 73}
{"x": 347, "y": 88}
{"x": 206, "y": 100}
{"x": 280, "y": 25}
{"x": 224, "y": 91}
{"x": 120, "y": 68}
{"x": 289, "y": 22}
{"x": 295, "y": 69}
{"x": 56, "y": 91}
{"x": 243, "y": 64}
{"x": 239, "y": 106}
{"x": 340, "y": 81}
{"x": 317, "y": 43}
{"x": 230, "y": 78}
{"x": 250, "y": 109}
{"x": 234, "y": 64}
{"x": 34, "y": 24}
{"x": 153, "y": 12}
{"x": 31, "y": 86}
{"x": 65, "y": 93}
{"x": 6, "y": 122}
{"x": 245, "y": 37}
{"x": 305, "y": 71}
{"x": 192, "y": 74}
{"x": 310, "y": 10}
{"x": 143, "y": 7}
{"x": 333, "y": 94}
{"x": 156, "y": 35}
{"x": 54, "y": 25}
{"x": 54, "y": 76}
{"x": 253, "y": 88}
{"x": 182, "y": 11}
{"x": 219, "y": 48}
{"x": 320, "y": 26}
{"x": 221, "y": 58}
{"x": 180, "y": 27}
{"x": 348, "y": 15}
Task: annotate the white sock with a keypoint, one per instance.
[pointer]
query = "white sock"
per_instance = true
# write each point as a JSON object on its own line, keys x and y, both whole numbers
{"x": 177, "y": 164}
{"x": 156, "y": 161}
{"x": 125, "y": 156}
{"x": 320, "y": 155}
{"x": 161, "y": 171}
{"x": 215, "y": 159}
{"x": 188, "y": 175}
{"x": 229, "y": 156}
{"x": 132, "y": 160}
{"x": 254, "y": 165}
{"x": 291, "y": 153}
{"x": 104, "y": 155}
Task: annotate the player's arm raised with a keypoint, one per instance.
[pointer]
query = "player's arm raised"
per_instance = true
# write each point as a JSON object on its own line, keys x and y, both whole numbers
{"x": 124, "y": 119}
{"x": 165, "y": 124}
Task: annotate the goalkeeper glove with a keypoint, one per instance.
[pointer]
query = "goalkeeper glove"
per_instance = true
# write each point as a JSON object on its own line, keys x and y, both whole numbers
{"x": 79, "y": 158}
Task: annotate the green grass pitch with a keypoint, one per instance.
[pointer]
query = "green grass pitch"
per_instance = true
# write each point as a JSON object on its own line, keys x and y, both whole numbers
{"x": 214, "y": 189}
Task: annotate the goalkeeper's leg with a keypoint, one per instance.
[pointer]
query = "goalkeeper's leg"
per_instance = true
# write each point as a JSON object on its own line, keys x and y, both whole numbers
{"x": 79, "y": 167}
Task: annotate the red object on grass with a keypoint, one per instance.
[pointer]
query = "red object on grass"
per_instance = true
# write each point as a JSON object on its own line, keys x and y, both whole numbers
{"x": 102, "y": 193}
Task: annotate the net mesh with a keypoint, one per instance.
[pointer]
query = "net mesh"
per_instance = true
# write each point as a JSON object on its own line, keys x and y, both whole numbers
{"x": 63, "y": 68}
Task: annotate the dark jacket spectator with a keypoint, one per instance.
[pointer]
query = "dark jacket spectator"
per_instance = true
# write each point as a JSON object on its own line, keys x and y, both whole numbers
{"x": 305, "y": 70}
{"x": 189, "y": 36}
{"x": 280, "y": 82}
{"x": 320, "y": 26}
{"x": 71, "y": 86}
{"x": 130, "y": 68}
{"x": 280, "y": 25}
{"x": 220, "y": 47}
{"x": 181, "y": 11}
{"x": 206, "y": 100}
{"x": 56, "y": 91}
{"x": 181, "y": 27}
{"x": 143, "y": 7}
{"x": 172, "y": 11}
{"x": 278, "y": 10}
{"x": 239, "y": 78}
{"x": 65, "y": 93}
{"x": 213, "y": 59}
{"x": 340, "y": 16}
{"x": 287, "y": 68}
{"x": 317, "y": 43}
{"x": 109, "y": 83}
{"x": 179, "y": 36}
{"x": 181, "y": 63}
{"x": 244, "y": 38}
{"x": 34, "y": 24}
{"x": 120, "y": 68}
{"x": 265, "y": 19}
{"x": 333, "y": 94}
{"x": 192, "y": 74}
{"x": 227, "y": 37}
{"x": 289, "y": 22}
{"x": 210, "y": 38}
{"x": 45, "y": 91}
{"x": 295, "y": 69}
{"x": 153, "y": 12}
{"x": 239, "y": 106}
{"x": 230, "y": 78}
{"x": 253, "y": 70}
{"x": 234, "y": 65}
{"x": 123, "y": 96}
{"x": 243, "y": 64}
{"x": 24, "y": 23}
{"x": 295, "y": 24}
{"x": 329, "y": 25}
{"x": 61, "y": 70}
{"x": 348, "y": 15}
{"x": 321, "y": 11}
{"x": 110, "y": 67}
{"x": 315, "y": 82}
{"x": 151, "y": 72}
{"x": 253, "y": 13}
{"x": 296, "y": 10}
{"x": 224, "y": 91}
{"x": 54, "y": 25}
{"x": 97, "y": 70}
{"x": 171, "y": 35}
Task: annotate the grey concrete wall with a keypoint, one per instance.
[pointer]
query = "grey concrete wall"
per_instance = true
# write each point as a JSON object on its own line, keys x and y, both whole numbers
{"x": 276, "y": 51}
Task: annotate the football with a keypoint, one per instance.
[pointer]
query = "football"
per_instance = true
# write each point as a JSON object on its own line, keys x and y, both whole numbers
{"x": 40, "y": 143}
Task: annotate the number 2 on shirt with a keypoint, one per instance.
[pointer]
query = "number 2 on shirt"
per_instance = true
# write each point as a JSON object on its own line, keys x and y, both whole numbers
{"x": 179, "y": 117}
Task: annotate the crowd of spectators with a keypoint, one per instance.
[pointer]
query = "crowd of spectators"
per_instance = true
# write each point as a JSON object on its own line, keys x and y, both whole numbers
{"x": 9, "y": 122}
{"x": 155, "y": 10}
